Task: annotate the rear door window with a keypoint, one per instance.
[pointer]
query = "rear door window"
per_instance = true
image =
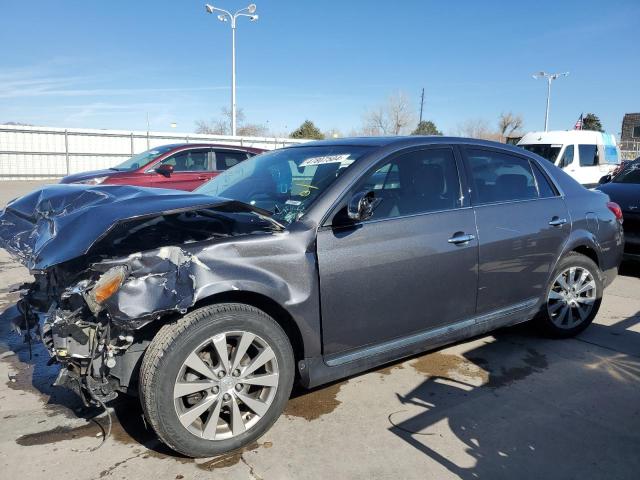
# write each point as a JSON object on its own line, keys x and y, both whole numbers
{"x": 226, "y": 159}
{"x": 500, "y": 177}
{"x": 588, "y": 155}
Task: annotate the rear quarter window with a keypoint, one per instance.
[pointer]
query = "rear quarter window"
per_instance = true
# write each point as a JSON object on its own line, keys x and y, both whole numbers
{"x": 545, "y": 188}
{"x": 227, "y": 159}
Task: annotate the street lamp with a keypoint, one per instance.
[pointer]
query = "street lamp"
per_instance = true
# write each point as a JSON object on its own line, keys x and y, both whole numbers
{"x": 226, "y": 16}
{"x": 550, "y": 78}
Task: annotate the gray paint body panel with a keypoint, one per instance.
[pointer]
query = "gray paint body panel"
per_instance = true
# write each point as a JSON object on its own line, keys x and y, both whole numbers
{"x": 393, "y": 277}
{"x": 371, "y": 284}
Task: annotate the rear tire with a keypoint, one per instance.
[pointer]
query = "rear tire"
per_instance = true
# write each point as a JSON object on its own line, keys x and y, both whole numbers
{"x": 199, "y": 397}
{"x": 573, "y": 297}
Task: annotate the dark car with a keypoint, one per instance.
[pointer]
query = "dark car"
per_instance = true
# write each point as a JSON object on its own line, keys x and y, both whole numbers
{"x": 182, "y": 166}
{"x": 624, "y": 189}
{"x": 311, "y": 263}
{"x": 624, "y": 164}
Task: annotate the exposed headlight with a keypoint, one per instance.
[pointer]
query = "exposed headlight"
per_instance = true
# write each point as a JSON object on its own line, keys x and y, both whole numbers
{"x": 93, "y": 181}
{"x": 107, "y": 285}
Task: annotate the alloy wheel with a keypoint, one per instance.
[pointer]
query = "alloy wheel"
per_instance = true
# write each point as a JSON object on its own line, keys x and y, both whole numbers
{"x": 571, "y": 298}
{"x": 226, "y": 385}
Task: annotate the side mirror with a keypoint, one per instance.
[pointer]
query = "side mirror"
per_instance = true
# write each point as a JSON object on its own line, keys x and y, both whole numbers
{"x": 165, "y": 170}
{"x": 361, "y": 205}
{"x": 605, "y": 179}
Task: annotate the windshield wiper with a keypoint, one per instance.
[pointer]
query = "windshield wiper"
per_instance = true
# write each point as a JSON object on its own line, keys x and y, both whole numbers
{"x": 236, "y": 205}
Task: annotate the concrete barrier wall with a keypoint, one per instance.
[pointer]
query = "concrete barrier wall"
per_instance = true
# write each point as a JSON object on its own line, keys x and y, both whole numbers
{"x": 31, "y": 153}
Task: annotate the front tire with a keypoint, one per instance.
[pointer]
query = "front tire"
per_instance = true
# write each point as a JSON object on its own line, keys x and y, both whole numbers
{"x": 573, "y": 297}
{"x": 217, "y": 379}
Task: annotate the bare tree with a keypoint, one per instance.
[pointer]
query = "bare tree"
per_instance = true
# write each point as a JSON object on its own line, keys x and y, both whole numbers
{"x": 222, "y": 126}
{"x": 476, "y": 128}
{"x": 508, "y": 123}
{"x": 333, "y": 133}
{"x": 253, "y": 130}
{"x": 213, "y": 127}
{"x": 393, "y": 118}
{"x": 401, "y": 114}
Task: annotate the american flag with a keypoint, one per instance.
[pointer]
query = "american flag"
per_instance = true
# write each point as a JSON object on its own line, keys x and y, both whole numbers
{"x": 578, "y": 125}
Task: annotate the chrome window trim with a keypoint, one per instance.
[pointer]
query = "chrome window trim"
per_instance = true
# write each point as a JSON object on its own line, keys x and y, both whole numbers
{"x": 411, "y": 215}
{"x": 507, "y": 202}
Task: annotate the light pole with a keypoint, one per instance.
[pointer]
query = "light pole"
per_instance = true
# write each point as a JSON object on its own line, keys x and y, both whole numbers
{"x": 550, "y": 78}
{"x": 225, "y": 16}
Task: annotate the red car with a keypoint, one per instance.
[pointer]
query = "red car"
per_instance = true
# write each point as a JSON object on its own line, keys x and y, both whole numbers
{"x": 183, "y": 166}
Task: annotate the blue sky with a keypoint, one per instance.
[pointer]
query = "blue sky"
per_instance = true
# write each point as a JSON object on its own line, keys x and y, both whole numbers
{"x": 105, "y": 64}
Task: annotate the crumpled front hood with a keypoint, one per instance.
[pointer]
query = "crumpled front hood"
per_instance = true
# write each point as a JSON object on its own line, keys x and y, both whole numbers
{"x": 61, "y": 222}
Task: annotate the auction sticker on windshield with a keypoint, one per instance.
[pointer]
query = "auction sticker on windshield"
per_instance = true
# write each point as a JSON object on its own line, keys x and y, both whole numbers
{"x": 342, "y": 158}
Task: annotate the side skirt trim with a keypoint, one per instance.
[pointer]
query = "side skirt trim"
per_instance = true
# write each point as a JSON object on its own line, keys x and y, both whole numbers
{"x": 444, "y": 331}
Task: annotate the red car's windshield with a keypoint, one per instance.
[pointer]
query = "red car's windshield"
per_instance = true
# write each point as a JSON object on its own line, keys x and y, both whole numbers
{"x": 142, "y": 159}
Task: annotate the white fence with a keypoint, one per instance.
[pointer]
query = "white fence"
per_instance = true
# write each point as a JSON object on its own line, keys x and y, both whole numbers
{"x": 31, "y": 153}
{"x": 630, "y": 149}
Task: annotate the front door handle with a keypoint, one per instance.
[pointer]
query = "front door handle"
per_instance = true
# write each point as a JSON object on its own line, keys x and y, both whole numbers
{"x": 461, "y": 238}
{"x": 557, "y": 222}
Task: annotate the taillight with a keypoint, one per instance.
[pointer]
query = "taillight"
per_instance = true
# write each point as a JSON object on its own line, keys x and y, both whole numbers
{"x": 615, "y": 208}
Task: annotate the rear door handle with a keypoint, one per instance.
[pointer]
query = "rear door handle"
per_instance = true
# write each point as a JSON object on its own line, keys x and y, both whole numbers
{"x": 557, "y": 222}
{"x": 461, "y": 238}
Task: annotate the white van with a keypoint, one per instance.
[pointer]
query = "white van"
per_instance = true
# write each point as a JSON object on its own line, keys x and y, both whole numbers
{"x": 584, "y": 154}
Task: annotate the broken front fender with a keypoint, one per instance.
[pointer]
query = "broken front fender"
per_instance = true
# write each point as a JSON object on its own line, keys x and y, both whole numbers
{"x": 173, "y": 279}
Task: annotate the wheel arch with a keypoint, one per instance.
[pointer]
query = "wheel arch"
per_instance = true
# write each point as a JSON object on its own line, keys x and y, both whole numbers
{"x": 268, "y": 305}
{"x": 585, "y": 243}
{"x": 587, "y": 251}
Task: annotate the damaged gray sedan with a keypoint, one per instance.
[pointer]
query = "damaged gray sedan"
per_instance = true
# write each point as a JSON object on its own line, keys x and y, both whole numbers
{"x": 306, "y": 264}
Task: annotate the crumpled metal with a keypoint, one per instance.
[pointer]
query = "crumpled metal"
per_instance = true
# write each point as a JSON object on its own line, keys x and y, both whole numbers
{"x": 61, "y": 222}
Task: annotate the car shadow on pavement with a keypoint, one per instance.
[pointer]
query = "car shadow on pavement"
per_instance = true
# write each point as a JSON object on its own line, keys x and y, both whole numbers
{"x": 562, "y": 423}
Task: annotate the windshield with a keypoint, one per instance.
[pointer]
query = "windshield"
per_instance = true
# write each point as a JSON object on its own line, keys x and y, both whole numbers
{"x": 142, "y": 159}
{"x": 284, "y": 182}
{"x": 631, "y": 174}
{"x": 550, "y": 152}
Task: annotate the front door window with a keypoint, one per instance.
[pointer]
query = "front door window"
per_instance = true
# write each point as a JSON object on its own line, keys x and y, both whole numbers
{"x": 189, "y": 161}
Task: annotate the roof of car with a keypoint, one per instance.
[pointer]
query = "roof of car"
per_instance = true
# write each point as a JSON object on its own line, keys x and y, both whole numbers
{"x": 174, "y": 146}
{"x": 404, "y": 141}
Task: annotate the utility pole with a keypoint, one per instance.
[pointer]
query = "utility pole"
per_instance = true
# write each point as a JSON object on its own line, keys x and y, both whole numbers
{"x": 550, "y": 77}
{"x": 421, "y": 104}
{"x": 226, "y": 16}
